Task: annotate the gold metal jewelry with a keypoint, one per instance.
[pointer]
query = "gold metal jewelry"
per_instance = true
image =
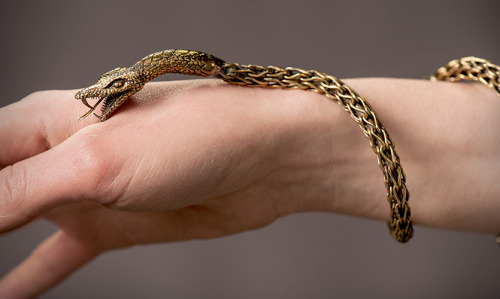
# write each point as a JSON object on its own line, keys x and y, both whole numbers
{"x": 115, "y": 86}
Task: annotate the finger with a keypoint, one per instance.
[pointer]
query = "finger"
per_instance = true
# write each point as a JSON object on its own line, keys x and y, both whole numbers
{"x": 64, "y": 174}
{"x": 53, "y": 260}
{"x": 37, "y": 123}
{"x": 21, "y": 136}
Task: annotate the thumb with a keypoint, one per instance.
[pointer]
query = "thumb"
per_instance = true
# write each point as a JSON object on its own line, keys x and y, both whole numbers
{"x": 66, "y": 173}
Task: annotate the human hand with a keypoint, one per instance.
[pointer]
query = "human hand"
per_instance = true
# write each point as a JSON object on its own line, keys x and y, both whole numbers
{"x": 200, "y": 159}
{"x": 195, "y": 159}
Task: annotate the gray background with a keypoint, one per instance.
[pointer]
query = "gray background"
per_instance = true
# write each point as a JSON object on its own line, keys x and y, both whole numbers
{"x": 67, "y": 44}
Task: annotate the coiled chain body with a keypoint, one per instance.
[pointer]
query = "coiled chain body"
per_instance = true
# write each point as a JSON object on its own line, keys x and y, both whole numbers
{"x": 360, "y": 110}
{"x": 117, "y": 85}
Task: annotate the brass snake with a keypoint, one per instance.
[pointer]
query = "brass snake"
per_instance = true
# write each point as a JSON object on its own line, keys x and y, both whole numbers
{"x": 115, "y": 86}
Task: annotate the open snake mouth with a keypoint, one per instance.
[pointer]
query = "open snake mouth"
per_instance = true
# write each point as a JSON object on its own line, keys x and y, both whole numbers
{"x": 109, "y": 102}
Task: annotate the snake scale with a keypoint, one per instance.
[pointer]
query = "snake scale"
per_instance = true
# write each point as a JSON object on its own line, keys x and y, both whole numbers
{"x": 115, "y": 86}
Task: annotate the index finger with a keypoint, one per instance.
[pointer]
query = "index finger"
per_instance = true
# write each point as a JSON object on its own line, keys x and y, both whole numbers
{"x": 37, "y": 123}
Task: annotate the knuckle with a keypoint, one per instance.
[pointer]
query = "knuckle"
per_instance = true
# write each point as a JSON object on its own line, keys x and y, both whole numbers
{"x": 96, "y": 169}
{"x": 47, "y": 100}
{"x": 12, "y": 188}
{"x": 37, "y": 95}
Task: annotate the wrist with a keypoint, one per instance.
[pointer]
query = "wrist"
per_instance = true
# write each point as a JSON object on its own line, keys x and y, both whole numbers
{"x": 447, "y": 138}
{"x": 324, "y": 162}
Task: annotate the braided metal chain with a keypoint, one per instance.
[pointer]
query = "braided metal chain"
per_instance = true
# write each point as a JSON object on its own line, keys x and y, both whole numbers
{"x": 202, "y": 64}
{"x": 360, "y": 110}
{"x": 470, "y": 68}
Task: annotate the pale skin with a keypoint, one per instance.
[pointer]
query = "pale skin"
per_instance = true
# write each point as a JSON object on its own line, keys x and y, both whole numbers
{"x": 203, "y": 159}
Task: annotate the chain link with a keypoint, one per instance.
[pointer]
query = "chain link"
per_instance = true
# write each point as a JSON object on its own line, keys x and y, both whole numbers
{"x": 360, "y": 110}
{"x": 470, "y": 68}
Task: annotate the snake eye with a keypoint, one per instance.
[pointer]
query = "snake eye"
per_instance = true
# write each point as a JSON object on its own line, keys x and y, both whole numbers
{"x": 116, "y": 83}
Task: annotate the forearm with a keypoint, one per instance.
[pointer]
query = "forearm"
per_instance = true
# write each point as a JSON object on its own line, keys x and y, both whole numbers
{"x": 446, "y": 135}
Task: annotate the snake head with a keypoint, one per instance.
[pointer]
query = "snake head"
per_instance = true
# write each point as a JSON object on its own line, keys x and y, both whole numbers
{"x": 113, "y": 87}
